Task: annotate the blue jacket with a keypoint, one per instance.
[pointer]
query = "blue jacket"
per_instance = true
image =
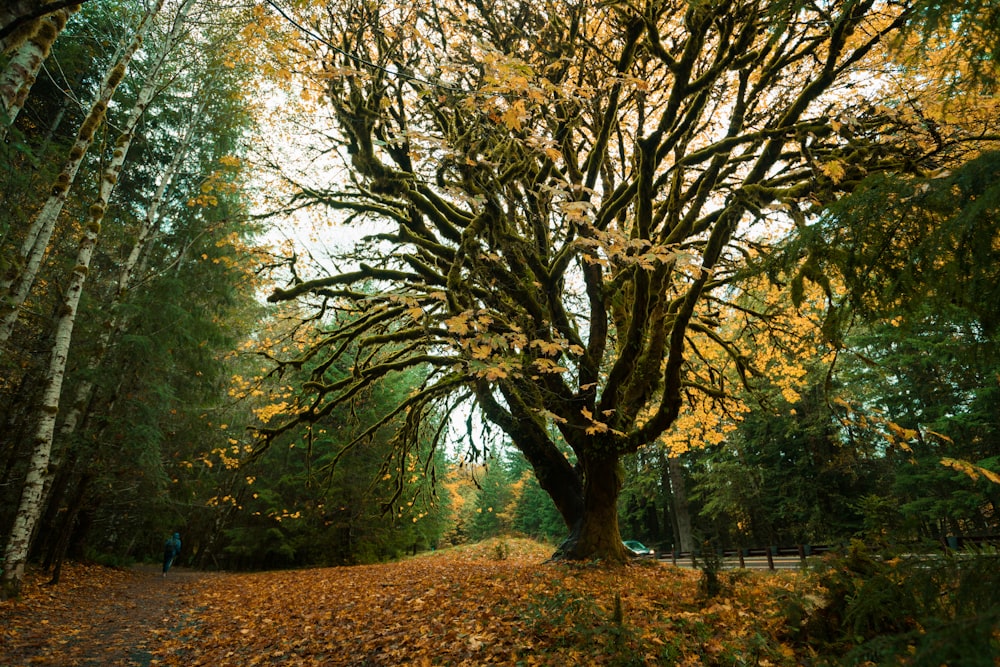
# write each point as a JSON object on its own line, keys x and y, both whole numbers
{"x": 173, "y": 545}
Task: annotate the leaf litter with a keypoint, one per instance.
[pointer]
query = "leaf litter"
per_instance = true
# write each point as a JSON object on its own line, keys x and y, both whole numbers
{"x": 496, "y": 602}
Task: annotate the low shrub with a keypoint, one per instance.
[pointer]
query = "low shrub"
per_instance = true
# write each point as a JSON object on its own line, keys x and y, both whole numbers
{"x": 886, "y": 608}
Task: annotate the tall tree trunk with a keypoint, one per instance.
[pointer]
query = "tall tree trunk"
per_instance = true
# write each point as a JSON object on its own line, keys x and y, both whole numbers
{"x": 590, "y": 509}
{"x": 48, "y": 522}
{"x": 19, "y": 541}
{"x": 597, "y": 535}
{"x": 20, "y": 73}
{"x": 37, "y": 239}
{"x": 54, "y": 124}
{"x": 65, "y": 531}
{"x": 682, "y": 512}
{"x": 126, "y": 273}
{"x": 19, "y": 18}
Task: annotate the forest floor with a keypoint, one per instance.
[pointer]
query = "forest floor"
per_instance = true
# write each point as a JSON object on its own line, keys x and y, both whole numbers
{"x": 497, "y": 602}
{"x": 95, "y": 617}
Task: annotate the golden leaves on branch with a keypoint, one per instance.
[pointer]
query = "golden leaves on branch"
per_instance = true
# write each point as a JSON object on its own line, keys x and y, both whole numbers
{"x": 614, "y": 247}
{"x": 267, "y": 413}
{"x": 459, "y": 324}
{"x": 767, "y": 353}
{"x": 835, "y": 170}
{"x": 497, "y": 353}
{"x": 970, "y": 469}
{"x": 853, "y": 415}
{"x": 509, "y": 87}
{"x": 596, "y": 425}
{"x": 548, "y": 366}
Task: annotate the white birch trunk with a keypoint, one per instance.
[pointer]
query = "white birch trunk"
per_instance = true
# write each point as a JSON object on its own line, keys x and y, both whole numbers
{"x": 29, "y": 510}
{"x": 20, "y": 73}
{"x": 125, "y": 278}
{"x": 19, "y": 541}
{"x": 40, "y": 232}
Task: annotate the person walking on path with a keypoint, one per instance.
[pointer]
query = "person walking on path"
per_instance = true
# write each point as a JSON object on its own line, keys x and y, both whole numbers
{"x": 170, "y": 551}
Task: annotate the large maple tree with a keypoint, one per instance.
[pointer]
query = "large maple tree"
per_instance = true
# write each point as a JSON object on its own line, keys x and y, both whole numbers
{"x": 568, "y": 193}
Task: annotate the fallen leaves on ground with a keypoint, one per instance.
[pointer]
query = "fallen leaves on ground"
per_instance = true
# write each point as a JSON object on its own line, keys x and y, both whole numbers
{"x": 96, "y": 616}
{"x": 491, "y": 603}
{"x": 468, "y": 606}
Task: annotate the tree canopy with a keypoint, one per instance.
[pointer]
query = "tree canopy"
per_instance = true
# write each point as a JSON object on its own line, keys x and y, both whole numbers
{"x": 570, "y": 195}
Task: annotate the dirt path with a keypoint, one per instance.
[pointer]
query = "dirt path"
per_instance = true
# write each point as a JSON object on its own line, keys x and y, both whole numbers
{"x": 96, "y": 617}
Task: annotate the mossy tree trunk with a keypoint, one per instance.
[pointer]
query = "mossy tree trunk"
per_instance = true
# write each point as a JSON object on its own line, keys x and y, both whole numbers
{"x": 18, "y": 287}
{"x": 19, "y": 75}
{"x": 30, "y": 507}
{"x": 596, "y": 535}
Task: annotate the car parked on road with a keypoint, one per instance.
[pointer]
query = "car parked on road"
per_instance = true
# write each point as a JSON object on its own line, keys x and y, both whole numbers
{"x": 637, "y": 548}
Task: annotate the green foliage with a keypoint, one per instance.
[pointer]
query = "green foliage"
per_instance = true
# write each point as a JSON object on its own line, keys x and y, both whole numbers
{"x": 491, "y": 516}
{"x": 322, "y": 495}
{"x": 903, "y": 245}
{"x": 970, "y": 32}
{"x": 157, "y": 404}
{"x": 645, "y": 499}
{"x": 109, "y": 559}
{"x": 824, "y": 469}
{"x": 536, "y": 515}
{"x": 261, "y": 546}
{"x": 578, "y": 621}
{"x": 886, "y": 608}
{"x": 936, "y": 374}
{"x": 508, "y": 500}
{"x": 784, "y": 477}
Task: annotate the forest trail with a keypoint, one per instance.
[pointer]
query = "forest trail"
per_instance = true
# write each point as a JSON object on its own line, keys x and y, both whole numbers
{"x": 95, "y": 617}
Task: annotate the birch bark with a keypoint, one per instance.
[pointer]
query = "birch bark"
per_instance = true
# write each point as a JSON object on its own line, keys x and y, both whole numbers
{"x": 30, "y": 507}
{"x": 21, "y": 71}
{"x": 125, "y": 277}
{"x": 37, "y": 239}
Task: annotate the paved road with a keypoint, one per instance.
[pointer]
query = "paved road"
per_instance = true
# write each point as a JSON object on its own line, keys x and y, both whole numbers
{"x": 751, "y": 562}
